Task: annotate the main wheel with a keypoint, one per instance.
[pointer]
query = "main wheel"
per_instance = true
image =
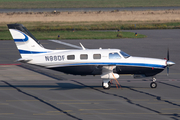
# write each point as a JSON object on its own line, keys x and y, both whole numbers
{"x": 106, "y": 85}
{"x": 153, "y": 85}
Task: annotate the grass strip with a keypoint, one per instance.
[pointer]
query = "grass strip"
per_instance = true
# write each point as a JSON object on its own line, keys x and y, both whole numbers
{"x": 45, "y": 35}
{"x": 19, "y": 4}
{"x": 109, "y": 26}
{"x": 83, "y": 26}
{"x": 85, "y": 30}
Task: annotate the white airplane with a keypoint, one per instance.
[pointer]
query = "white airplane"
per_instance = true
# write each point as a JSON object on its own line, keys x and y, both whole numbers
{"x": 109, "y": 63}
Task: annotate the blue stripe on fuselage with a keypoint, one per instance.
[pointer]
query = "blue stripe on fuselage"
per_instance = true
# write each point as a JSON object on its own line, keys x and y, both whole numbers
{"x": 31, "y": 52}
{"x": 123, "y": 64}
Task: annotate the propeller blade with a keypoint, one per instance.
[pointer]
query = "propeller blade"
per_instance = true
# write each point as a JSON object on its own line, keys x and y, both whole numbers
{"x": 167, "y": 70}
{"x": 168, "y": 54}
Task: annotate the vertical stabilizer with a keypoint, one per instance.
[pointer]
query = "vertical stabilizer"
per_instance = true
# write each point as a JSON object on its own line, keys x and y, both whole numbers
{"x": 26, "y": 43}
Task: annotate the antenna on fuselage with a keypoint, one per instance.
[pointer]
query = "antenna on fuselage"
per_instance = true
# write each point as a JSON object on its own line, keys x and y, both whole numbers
{"x": 82, "y": 46}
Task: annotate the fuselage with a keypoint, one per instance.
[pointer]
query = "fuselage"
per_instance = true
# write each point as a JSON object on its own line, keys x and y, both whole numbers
{"x": 91, "y": 61}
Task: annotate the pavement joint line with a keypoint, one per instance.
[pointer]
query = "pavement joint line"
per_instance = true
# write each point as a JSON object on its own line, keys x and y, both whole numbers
{"x": 17, "y": 75}
{"x": 52, "y": 113}
{"x": 77, "y": 103}
{"x": 170, "y": 109}
{"x": 41, "y": 88}
{"x": 104, "y": 100}
{"x": 83, "y": 100}
{"x": 4, "y": 103}
{"x": 95, "y": 109}
{"x": 129, "y": 113}
{"x": 139, "y": 99}
{"x": 58, "y": 111}
{"x": 121, "y": 113}
{"x": 168, "y": 113}
{"x": 30, "y": 88}
{"x": 168, "y": 99}
{"x": 157, "y": 103}
{"x": 49, "y": 114}
{"x": 7, "y": 89}
{"x": 6, "y": 113}
{"x": 21, "y": 100}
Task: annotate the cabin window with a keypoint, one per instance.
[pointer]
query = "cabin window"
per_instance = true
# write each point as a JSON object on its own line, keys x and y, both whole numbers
{"x": 83, "y": 56}
{"x": 97, "y": 56}
{"x": 71, "y": 57}
{"x": 114, "y": 56}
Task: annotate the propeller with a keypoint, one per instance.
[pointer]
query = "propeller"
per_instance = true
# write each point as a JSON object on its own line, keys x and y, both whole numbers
{"x": 168, "y": 63}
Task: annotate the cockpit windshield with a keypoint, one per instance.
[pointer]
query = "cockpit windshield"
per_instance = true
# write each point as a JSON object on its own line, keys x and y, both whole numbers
{"x": 124, "y": 54}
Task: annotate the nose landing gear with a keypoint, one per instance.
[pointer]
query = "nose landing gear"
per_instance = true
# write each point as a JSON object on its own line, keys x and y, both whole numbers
{"x": 153, "y": 84}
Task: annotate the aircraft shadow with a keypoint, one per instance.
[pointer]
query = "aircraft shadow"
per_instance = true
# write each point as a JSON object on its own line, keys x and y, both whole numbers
{"x": 42, "y": 71}
{"x": 42, "y": 101}
{"x": 62, "y": 86}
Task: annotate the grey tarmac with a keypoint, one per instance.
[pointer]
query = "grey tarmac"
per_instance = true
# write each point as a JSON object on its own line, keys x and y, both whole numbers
{"x": 31, "y": 92}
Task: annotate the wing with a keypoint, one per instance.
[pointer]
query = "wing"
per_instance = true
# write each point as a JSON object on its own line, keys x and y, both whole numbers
{"x": 68, "y": 44}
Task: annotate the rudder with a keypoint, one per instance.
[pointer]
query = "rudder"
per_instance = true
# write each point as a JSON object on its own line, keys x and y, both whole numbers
{"x": 26, "y": 43}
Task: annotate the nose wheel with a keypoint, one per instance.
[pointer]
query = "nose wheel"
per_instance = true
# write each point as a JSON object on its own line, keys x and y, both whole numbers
{"x": 153, "y": 84}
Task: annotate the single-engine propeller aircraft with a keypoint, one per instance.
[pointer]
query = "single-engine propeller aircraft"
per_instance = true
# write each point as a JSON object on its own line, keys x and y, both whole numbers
{"x": 109, "y": 63}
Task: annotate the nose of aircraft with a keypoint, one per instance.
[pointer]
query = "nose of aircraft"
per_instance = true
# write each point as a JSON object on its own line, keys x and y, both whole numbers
{"x": 170, "y": 63}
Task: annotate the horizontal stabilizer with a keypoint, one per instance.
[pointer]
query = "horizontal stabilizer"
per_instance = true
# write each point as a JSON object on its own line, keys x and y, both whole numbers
{"x": 67, "y": 44}
{"x": 82, "y": 46}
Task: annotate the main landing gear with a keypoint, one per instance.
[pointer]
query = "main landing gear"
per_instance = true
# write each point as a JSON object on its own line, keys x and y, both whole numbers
{"x": 153, "y": 84}
{"x": 107, "y": 76}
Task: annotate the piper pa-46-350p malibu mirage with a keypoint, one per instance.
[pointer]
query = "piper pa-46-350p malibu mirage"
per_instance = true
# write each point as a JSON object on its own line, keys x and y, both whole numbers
{"x": 108, "y": 63}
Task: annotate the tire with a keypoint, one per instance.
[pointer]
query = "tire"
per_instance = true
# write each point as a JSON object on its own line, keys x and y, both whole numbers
{"x": 153, "y": 85}
{"x": 109, "y": 85}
